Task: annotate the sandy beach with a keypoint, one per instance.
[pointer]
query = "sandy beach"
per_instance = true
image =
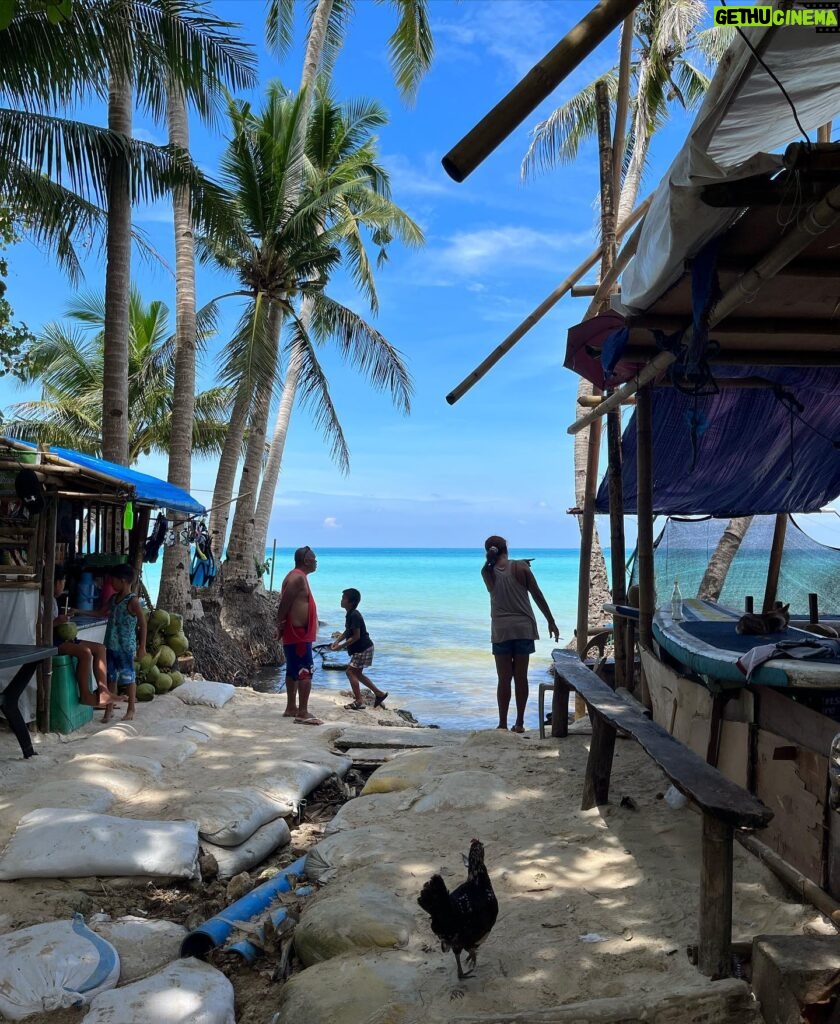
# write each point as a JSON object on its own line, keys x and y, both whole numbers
{"x": 591, "y": 904}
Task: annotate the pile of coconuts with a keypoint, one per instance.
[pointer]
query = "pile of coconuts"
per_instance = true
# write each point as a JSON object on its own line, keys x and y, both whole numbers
{"x": 165, "y": 643}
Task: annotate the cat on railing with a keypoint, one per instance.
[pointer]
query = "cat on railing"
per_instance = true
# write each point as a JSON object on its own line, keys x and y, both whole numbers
{"x": 759, "y": 624}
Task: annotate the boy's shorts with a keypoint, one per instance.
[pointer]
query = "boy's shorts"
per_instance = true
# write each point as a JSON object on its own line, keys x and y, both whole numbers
{"x": 363, "y": 658}
{"x": 121, "y": 667}
{"x": 295, "y": 662}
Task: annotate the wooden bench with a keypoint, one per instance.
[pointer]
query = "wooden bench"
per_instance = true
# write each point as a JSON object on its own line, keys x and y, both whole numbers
{"x": 725, "y": 805}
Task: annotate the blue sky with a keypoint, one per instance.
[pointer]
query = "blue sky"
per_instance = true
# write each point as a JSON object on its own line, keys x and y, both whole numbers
{"x": 499, "y": 461}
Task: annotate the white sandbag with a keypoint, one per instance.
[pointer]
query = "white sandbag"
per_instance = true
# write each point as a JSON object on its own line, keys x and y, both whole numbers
{"x": 461, "y": 791}
{"x": 52, "y": 966}
{"x": 213, "y": 695}
{"x": 352, "y": 922}
{"x": 186, "y": 992}
{"x": 233, "y": 859}
{"x": 352, "y": 848}
{"x": 407, "y": 771}
{"x": 143, "y": 946}
{"x": 290, "y": 781}
{"x": 59, "y": 843}
{"x": 227, "y": 817}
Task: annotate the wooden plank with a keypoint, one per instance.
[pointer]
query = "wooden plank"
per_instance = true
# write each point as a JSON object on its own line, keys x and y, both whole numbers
{"x": 720, "y": 1002}
{"x": 690, "y": 774}
{"x": 779, "y": 714}
{"x": 715, "y": 899}
{"x": 798, "y": 790}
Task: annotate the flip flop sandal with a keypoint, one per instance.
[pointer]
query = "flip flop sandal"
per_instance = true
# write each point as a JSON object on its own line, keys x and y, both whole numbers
{"x": 380, "y": 700}
{"x": 355, "y": 706}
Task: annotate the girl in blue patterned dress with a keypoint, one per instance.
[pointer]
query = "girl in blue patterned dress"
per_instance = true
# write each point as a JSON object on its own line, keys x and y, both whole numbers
{"x": 125, "y": 637}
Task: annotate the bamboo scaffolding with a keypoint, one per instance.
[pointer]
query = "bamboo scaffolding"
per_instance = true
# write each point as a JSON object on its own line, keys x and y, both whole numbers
{"x": 539, "y": 83}
{"x": 817, "y": 220}
{"x": 537, "y": 314}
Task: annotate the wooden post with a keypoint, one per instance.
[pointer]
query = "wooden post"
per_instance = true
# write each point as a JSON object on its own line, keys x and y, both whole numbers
{"x": 715, "y": 898}
{"x": 776, "y": 549}
{"x": 644, "y": 512}
{"x": 587, "y": 528}
{"x": 560, "y": 708}
{"x": 616, "y": 491}
{"x": 45, "y": 667}
{"x": 748, "y": 603}
{"x": 813, "y": 608}
{"x": 596, "y": 785}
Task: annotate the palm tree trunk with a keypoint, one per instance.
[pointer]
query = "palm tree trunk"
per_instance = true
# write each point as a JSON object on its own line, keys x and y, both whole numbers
{"x": 315, "y": 46}
{"x": 117, "y": 283}
{"x": 175, "y": 585}
{"x": 727, "y": 548}
{"x": 242, "y": 555}
{"x": 226, "y": 475}
{"x": 274, "y": 462}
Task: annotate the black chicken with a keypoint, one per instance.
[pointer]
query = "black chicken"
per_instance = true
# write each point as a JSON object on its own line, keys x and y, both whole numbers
{"x": 463, "y": 918}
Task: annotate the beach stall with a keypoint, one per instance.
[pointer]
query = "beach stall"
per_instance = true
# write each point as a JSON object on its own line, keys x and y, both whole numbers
{"x": 63, "y": 508}
{"x": 725, "y": 336}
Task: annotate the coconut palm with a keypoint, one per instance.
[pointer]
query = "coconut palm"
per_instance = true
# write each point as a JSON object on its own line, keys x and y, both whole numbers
{"x": 293, "y": 237}
{"x": 664, "y": 72}
{"x": 341, "y": 146}
{"x": 411, "y": 48}
{"x": 59, "y": 174}
{"x": 67, "y": 359}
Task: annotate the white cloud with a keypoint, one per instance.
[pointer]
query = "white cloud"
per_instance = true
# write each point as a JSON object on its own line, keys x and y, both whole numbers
{"x": 332, "y": 523}
{"x": 496, "y": 249}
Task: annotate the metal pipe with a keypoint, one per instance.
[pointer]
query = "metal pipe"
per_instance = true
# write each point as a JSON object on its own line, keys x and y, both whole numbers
{"x": 539, "y": 83}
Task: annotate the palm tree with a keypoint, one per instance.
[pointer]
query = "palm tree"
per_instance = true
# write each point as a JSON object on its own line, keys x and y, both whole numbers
{"x": 341, "y": 146}
{"x": 411, "y": 49}
{"x": 58, "y": 174}
{"x": 291, "y": 239}
{"x": 663, "y": 73}
{"x": 67, "y": 359}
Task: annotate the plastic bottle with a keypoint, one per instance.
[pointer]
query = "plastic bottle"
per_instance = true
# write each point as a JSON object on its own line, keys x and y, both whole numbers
{"x": 676, "y": 603}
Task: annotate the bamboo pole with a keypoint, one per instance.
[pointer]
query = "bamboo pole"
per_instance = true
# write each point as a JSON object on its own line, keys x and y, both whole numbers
{"x": 622, "y": 104}
{"x": 644, "y": 513}
{"x": 775, "y": 563}
{"x": 539, "y": 83}
{"x": 816, "y": 220}
{"x": 537, "y": 314}
{"x": 587, "y": 529}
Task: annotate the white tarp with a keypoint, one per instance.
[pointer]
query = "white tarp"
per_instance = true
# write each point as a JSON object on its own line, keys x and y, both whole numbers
{"x": 18, "y": 615}
{"x": 744, "y": 117}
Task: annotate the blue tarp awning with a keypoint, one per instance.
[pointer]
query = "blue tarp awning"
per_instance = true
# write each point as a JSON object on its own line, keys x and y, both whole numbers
{"x": 742, "y": 451}
{"x": 148, "y": 490}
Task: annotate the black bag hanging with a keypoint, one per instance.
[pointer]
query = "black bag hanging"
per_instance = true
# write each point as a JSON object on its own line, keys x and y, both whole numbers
{"x": 153, "y": 545}
{"x": 28, "y": 488}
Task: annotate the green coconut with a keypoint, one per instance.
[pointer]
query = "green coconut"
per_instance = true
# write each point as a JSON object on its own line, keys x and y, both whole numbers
{"x": 66, "y": 632}
{"x": 151, "y": 673}
{"x": 159, "y": 619}
{"x": 145, "y": 691}
{"x": 176, "y": 624}
{"x": 166, "y": 657}
{"x": 163, "y": 683}
{"x": 146, "y": 662}
{"x": 177, "y": 678}
{"x": 178, "y": 643}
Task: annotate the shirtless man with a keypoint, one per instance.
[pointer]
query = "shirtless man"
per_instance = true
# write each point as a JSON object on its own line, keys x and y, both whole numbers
{"x": 297, "y": 625}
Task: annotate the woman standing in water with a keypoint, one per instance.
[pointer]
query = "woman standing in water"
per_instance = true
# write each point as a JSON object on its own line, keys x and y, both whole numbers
{"x": 513, "y": 627}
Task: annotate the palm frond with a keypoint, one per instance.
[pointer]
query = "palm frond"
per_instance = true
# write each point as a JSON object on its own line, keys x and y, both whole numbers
{"x": 411, "y": 45}
{"x": 279, "y": 25}
{"x": 713, "y": 43}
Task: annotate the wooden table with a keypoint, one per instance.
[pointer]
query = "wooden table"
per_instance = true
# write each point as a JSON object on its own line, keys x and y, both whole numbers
{"x": 28, "y": 657}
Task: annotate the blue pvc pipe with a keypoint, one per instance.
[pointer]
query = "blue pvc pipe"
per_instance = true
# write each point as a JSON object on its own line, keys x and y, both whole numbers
{"x": 251, "y": 952}
{"x": 213, "y": 932}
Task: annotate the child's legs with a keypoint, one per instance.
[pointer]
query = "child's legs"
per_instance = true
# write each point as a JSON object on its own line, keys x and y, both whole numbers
{"x": 353, "y": 674}
{"x": 100, "y": 666}
{"x": 131, "y": 690}
{"x": 370, "y": 684}
{"x": 84, "y": 663}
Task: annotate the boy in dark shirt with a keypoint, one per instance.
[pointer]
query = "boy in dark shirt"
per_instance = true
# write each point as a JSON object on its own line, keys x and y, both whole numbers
{"x": 358, "y": 644}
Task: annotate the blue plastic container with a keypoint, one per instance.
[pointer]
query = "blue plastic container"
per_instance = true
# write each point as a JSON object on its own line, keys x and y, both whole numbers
{"x": 86, "y": 592}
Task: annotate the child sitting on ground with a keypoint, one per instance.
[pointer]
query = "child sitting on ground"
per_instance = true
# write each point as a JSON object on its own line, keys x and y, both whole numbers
{"x": 125, "y": 638}
{"x": 357, "y": 642}
{"x": 89, "y": 655}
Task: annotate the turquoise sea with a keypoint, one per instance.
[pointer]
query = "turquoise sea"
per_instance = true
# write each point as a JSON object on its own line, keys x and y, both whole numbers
{"x": 428, "y": 614}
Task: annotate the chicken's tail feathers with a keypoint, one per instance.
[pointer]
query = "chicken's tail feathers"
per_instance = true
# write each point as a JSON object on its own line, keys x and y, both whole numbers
{"x": 432, "y": 893}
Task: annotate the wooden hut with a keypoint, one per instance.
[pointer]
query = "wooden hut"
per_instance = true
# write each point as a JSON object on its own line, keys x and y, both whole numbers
{"x": 89, "y": 514}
